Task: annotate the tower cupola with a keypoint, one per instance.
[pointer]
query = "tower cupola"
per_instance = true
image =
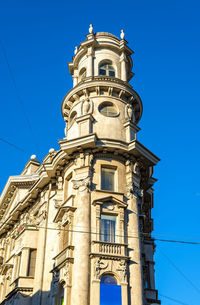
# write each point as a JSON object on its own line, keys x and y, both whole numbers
{"x": 101, "y": 100}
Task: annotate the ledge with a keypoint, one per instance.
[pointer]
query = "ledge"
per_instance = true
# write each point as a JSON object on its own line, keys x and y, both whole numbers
{"x": 72, "y": 145}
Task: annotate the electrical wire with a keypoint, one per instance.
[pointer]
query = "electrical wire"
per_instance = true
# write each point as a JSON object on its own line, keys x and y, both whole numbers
{"x": 18, "y": 95}
{"x": 172, "y": 299}
{"x": 116, "y": 235}
{"x": 179, "y": 271}
{"x": 13, "y": 145}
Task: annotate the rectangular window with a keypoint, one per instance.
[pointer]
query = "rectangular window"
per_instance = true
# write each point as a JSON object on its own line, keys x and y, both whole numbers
{"x": 65, "y": 236}
{"x": 18, "y": 264}
{"x": 107, "y": 230}
{"x": 31, "y": 262}
{"x": 107, "y": 179}
{"x": 68, "y": 186}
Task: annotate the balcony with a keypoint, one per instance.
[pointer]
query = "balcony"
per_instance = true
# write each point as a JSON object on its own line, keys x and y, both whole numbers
{"x": 21, "y": 283}
{"x": 109, "y": 249}
{"x": 67, "y": 253}
{"x": 152, "y": 296}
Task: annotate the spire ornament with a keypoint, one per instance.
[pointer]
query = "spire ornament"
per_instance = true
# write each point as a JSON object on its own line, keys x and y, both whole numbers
{"x": 91, "y": 29}
{"x": 76, "y": 50}
{"x": 122, "y": 35}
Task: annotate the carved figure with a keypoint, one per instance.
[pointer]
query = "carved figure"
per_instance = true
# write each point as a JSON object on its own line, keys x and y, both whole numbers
{"x": 136, "y": 169}
{"x": 98, "y": 266}
{"x": 130, "y": 113}
{"x": 123, "y": 270}
{"x": 86, "y": 106}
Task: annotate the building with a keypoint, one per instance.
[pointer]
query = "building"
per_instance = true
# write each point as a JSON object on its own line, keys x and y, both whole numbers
{"x": 76, "y": 229}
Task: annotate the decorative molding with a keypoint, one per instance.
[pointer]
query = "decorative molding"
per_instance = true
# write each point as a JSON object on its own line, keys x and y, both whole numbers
{"x": 82, "y": 184}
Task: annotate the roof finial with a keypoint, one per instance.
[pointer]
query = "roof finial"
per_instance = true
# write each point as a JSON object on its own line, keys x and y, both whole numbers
{"x": 76, "y": 50}
{"x": 33, "y": 158}
{"x": 91, "y": 29}
{"x": 122, "y": 34}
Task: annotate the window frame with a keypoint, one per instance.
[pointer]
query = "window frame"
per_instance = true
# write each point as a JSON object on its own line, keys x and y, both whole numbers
{"x": 29, "y": 267}
{"x": 115, "y": 185}
{"x": 104, "y": 66}
{"x": 105, "y": 105}
{"x": 111, "y": 237}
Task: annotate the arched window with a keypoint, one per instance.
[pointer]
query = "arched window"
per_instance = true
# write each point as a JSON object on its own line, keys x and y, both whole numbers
{"x": 72, "y": 118}
{"x": 82, "y": 74}
{"x": 110, "y": 292}
{"x": 107, "y": 69}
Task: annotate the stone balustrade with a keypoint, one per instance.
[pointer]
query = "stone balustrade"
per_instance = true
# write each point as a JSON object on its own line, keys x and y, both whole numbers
{"x": 108, "y": 248}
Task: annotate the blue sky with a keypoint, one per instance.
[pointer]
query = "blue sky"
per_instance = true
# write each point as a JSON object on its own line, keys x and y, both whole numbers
{"x": 39, "y": 38}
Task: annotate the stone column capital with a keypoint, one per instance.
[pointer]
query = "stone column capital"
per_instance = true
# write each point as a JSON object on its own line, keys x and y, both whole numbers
{"x": 82, "y": 184}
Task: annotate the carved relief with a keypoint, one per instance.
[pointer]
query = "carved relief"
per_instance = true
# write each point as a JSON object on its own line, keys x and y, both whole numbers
{"x": 136, "y": 169}
{"x": 134, "y": 190}
{"x": 67, "y": 272}
{"x": 98, "y": 266}
{"x": 60, "y": 183}
{"x": 82, "y": 184}
{"x": 129, "y": 113}
{"x": 87, "y": 106}
{"x": 109, "y": 206}
{"x": 123, "y": 270}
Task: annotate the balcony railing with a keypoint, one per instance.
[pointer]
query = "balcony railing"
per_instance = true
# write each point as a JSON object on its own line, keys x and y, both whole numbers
{"x": 113, "y": 249}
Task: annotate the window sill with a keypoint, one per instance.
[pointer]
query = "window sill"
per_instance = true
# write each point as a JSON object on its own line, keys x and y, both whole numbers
{"x": 109, "y": 192}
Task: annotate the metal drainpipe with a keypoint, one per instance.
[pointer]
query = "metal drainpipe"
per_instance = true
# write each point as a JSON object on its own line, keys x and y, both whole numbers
{"x": 45, "y": 241}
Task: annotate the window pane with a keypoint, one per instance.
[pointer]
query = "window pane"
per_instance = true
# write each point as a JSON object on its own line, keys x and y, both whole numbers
{"x": 108, "y": 109}
{"x": 31, "y": 263}
{"x": 107, "y": 179}
{"x": 111, "y": 73}
{"x": 110, "y": 294}
{"x": 102, "y": 72}
{"x": 107, "y": 230}
{"x": 110, "y": 68}
{"x": 108, "y": 280}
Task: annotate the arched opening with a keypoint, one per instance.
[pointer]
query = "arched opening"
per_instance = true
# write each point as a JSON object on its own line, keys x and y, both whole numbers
{"x": 72, "y": 118}
{"x": 107, "y": 69}
{"x": 82, "y": 74}
{"x": 110, "y": 292}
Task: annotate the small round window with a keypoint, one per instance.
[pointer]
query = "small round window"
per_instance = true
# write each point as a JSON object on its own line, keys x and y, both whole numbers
{"x": 108, "y": 109}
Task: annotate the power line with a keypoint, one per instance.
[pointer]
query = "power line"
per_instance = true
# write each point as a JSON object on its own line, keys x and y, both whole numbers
{"x": 179, "y": 271}
{"x": 13, "y": 145}
{"x": 116, "y": 235}
{"x": 172, "y": 299}
{"x": 18, "y": 95}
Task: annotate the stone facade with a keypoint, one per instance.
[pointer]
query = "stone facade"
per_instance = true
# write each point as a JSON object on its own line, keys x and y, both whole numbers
{"x": 55, "y": 217}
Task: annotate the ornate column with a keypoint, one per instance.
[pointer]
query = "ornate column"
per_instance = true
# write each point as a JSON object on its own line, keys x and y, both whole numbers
{"x": 81, "y": 236}
{"x": 134, "y": 243}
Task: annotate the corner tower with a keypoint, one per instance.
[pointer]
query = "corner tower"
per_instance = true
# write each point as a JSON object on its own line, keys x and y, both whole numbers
{"x": 112, "y": 176}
